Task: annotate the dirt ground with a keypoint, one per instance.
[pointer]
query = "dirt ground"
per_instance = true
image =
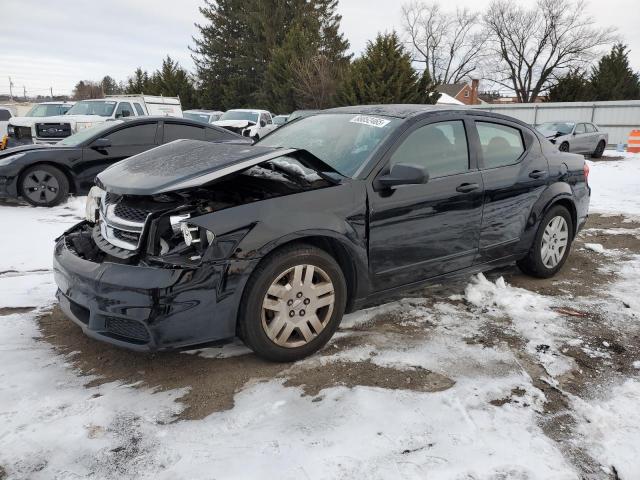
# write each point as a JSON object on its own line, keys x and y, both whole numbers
{"x": 212, "y": 382}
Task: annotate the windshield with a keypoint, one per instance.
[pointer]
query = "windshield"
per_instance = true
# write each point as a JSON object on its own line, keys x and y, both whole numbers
{"x": 236, "y": 115}
{"x": 78, "y": 138}
{"x": 104, "y": 108}
{"x": 343, "y": 141}
{"x": 561, "y": 127}
{"x": 198, "y": 117}
{"x": 47, "y": 110}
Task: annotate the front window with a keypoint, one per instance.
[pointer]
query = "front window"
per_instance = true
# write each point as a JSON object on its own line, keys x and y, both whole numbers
{"x": 47, "y": 110}
{"x": 103, "y": 108}
{"x": 77, "y": 138}
{"x": 343, "y": 141}
{"x": 198, "y": 117}
{"x": 563, "y": 128}
{"x": 237, "y": 115}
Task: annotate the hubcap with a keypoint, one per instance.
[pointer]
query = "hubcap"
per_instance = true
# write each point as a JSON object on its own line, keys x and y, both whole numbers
{"x": 40, "y": 186}
{"x": 554, "y": 241}
{"x": 298, "y": 305}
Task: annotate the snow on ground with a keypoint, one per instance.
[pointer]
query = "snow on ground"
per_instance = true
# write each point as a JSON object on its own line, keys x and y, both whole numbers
{"x": 54, "y": 425}
{"x": 616, "y": 184}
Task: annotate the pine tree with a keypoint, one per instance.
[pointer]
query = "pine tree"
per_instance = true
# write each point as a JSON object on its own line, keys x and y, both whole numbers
{"x": 138, "y": 83}
{"x": 573, "y": 87}
{"x": 613, "y": 78}
{"x": 109, "y": 86}
{"x": 171, "y": 80}
{"x": 384, "y": 75}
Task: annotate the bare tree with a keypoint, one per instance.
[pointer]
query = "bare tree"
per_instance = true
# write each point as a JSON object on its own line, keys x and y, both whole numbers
{"x": 450, "y": 45}
{"x": 532, "y": 46}
{"x": 317, "y": 80}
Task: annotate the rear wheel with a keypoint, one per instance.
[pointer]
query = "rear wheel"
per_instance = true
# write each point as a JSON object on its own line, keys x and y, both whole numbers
{"x": 599, "y": 150}
{"x": 293, "y": 303}
{"x": 564, "y": 147}
{"x": 44, "y": 186}
{"x": 551, "y": 245}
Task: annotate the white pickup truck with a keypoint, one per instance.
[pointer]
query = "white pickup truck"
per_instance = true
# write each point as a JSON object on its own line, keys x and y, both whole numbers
{"x": 19, "y": 129}
{"x": 247, "y": 122}
{"x": 88, "y": 113}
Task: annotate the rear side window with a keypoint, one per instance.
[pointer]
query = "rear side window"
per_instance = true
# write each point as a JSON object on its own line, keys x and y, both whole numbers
{"x": 501, "y": 145}
{"x": 4, "y": 115}
{"x": 124, "y": 110}
{"x": 139, "y": 109}
{"x": 176, "y": 131}
{"x": 135, "y": 135}
{"x": 440, "y": 147}
{"x": 590, "y": 128}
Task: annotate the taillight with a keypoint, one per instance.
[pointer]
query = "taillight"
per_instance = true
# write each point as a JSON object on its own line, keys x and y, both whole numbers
{"x": 586, "y": 172}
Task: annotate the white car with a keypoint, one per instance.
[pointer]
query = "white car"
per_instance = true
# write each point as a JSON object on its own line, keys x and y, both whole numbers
{"x": 20, "y": 129}
{"x": 88, "y": 113}
{"x": 247, "y": 122}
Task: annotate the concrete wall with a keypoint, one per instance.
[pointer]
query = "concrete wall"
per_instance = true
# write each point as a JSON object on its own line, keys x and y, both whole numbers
{"x": 616, "y": 118}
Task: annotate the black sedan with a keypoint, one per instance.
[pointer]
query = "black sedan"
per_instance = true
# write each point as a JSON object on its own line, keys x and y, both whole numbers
{"x": 274, "y": 242}
{"x": 44, "y": 175}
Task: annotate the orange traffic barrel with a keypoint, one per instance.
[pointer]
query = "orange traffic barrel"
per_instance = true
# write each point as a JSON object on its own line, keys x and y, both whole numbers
{"x": 634, "y": 142}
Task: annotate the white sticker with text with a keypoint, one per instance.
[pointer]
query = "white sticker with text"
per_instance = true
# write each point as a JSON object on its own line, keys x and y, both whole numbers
{"x": 371, "y": 121}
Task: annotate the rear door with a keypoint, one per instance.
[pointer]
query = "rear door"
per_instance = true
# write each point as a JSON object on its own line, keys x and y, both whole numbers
{"x": 421, "y": 231}
{"x": 514, "y": 174}
{"x": 125, "y": 142}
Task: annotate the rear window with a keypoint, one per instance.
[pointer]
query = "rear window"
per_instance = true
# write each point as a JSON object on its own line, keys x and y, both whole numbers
{"x": 501, "y": 145}
{"x": 139, "y": 109}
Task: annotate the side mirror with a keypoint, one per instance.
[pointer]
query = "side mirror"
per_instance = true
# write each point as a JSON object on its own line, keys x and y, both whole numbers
{"x": 402, "y": 174}
{"x": 263, "y": 123}
{"x": 101, "y": 143}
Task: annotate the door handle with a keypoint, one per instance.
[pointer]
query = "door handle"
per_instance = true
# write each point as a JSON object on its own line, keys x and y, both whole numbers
{"x": 467, "y": 187}
{"x": 538, "y": 174}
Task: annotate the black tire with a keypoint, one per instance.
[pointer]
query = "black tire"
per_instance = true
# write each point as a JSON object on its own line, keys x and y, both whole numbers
{"x": 43, "y": 186}
{"x": 250, "y": 326}
{"x": 599, "y": 150}
{"x": 564, "y": 147}
{"x": 533, "y": 264}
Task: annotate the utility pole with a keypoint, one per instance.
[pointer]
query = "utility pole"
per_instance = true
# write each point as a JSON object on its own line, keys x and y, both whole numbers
{"x": 24, "y": 92}
{"x": 51, "y": 91}
{"x": 10, "y": 89}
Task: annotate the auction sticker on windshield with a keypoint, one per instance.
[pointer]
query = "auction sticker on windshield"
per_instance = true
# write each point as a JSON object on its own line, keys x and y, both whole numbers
{"x": 371, "y": 121}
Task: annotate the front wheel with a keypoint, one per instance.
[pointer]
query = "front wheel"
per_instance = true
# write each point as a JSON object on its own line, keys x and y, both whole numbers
{"x": 564, "y": 147}
{"x": 551, "y": 245}
{"x": 44, "y": 186}
{"x": 293, "y": 303}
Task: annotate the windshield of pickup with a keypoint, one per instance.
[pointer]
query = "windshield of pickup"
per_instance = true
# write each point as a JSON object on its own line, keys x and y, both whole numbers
{"x": 47, "y": 110}
{"x": 77, "y": 138}
{"x": 561, "y": 127}
{"x": 343, "y": 141}
{"x": 236, "y": 115}
{"x": 103, "y": 108}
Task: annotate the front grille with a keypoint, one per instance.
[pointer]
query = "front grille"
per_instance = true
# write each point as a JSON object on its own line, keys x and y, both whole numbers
{"x": 129, "y": 213}
{"x": 129, "y": 329}
{"x": 53, "y": 130}
{"x": 125, "y": 236}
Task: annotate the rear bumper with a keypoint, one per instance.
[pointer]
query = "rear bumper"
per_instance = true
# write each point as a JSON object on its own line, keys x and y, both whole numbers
{"x": 149, "y": 308}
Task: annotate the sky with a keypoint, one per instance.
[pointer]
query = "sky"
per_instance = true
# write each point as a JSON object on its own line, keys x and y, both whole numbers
{"x": 58, "y": 43}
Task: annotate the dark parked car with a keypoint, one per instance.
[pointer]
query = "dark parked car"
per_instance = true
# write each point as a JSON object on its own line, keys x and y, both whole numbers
{"x": 275, "y": 241}
{"x": 45, "y": 174}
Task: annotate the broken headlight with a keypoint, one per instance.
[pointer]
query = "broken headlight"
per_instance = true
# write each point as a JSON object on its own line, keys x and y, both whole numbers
{"x": 92, "y": 207}
{"x": 178, "y": 240}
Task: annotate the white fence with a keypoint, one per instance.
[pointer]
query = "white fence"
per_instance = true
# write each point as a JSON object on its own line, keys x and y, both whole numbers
{"x": 616, "y": 118}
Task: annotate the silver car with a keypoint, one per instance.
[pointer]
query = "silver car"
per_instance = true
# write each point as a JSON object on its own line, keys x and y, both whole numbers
{"x": 584, "y": 137}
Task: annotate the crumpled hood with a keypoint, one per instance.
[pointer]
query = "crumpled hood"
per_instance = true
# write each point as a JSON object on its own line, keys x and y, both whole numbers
{"x": 182, "y": 164}
{"x": 234, "y": 123}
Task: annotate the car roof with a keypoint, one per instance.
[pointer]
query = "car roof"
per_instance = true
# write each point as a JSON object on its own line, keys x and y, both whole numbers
{"x": 201, "y": 110}
{"x": 248, "y": 110}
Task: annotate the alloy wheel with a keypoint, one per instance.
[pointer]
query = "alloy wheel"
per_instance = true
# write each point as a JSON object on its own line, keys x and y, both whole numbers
{"x": 40, "y": 186}
{"x": 298, "y": 306}
{"x": 554, "y": 242}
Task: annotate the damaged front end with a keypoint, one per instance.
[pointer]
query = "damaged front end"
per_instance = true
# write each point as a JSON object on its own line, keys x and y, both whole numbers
{"x": 154, "y": 265}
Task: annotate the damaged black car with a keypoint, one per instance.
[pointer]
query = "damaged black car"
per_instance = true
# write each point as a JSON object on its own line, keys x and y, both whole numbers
{"x": 194, "y": 242}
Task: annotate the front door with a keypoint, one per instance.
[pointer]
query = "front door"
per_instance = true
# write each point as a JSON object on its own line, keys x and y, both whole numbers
{"x": 125, "y": 142}
{"x": 421, "y": 231}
